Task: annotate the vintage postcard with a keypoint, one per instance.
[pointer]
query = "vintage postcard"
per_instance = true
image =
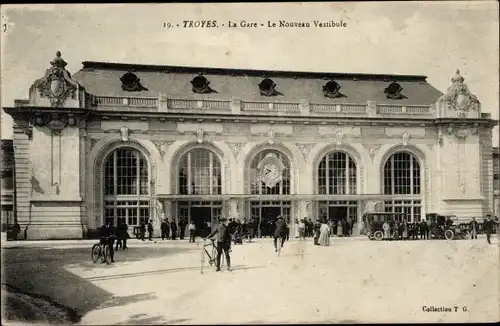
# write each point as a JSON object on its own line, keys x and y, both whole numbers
{"x": 250, "y": 163}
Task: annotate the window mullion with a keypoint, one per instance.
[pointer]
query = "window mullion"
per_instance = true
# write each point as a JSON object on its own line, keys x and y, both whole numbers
{"x": 138, "y": 174}
{"x": 347, "y": 181}
{"x": 115, "y": 174}
{"x": 327, "y": 174}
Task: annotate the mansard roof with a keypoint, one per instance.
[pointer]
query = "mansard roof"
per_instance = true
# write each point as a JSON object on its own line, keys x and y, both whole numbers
{"x": 104, "y": 79}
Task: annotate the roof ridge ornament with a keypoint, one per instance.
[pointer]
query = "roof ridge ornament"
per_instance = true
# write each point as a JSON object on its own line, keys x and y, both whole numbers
{"x": 459, "y": 98}
{"x": 57, "y": 84}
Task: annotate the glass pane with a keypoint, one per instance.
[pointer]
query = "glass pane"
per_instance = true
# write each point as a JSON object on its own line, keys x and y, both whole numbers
{"x": 132, "y": 217}
{"x": 337, "y": 174}
{"x": 200, "y": 173}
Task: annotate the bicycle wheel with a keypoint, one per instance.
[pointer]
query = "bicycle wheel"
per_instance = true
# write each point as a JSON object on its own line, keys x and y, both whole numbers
{"x": 107, "y": 255}
{"x": 96, "y": 252}
{"x": 202, "y": 258}
{"x": 214, "y": 255}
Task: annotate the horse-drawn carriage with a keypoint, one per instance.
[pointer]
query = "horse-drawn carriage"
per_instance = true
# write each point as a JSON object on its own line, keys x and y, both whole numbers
{"x": 442, "y": 227}
{"x": 374, "y": 223}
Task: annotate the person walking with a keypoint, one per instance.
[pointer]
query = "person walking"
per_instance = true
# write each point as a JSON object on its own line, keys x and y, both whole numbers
{"x": 223, "y": 243}
{"x": 164, "y": 229}
{"x": 142, "y": 230}
{"x": 489, "y": 227}
{"x": 280, "y": 232}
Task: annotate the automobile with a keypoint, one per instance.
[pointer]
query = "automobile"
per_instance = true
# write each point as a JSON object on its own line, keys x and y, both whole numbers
{"x": 442, "y": 227}
{"x": 374, "y": 222}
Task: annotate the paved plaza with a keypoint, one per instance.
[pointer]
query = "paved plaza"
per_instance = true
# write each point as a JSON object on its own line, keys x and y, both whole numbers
{"x": 353, "y": 280}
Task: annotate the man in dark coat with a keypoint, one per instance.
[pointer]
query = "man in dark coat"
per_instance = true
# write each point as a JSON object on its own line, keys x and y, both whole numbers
{"x": 142, "y": 230}
{"x": 107, "y": 235}
{"x": 489, "y": 227}
{"x": 182, "y": 228}
{"x": 173, "y": 228}
{"x": 150, "y": 230}
{"x": 280, "y": 232}
{"x": 165, "y": 229}
{"x": 121, "y": 235}
{"x": 223, "y": 242}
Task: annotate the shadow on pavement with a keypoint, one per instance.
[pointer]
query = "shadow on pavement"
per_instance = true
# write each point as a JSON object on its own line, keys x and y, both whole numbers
{"x": 41, "y": 272}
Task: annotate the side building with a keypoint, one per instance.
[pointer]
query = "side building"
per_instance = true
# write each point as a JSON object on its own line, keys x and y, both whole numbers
{"x": 146, "y": 142}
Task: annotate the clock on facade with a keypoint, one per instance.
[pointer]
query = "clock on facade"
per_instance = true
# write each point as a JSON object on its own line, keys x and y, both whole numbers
{"x": 271, "y": 170}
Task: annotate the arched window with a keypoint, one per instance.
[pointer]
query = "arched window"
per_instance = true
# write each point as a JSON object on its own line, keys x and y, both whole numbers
{"x": 402, "y": 179}
{"x": 199, "y": 173}
{"x": 263, "y": 210}
{"x": 126, "y": 187}
{"x": 337, "y": 176}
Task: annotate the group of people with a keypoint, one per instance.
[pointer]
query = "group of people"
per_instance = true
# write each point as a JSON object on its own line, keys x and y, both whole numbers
{"x": 305, "y": 228}
{"x": 406, "y": 230}
{"x": 115, "y": 237}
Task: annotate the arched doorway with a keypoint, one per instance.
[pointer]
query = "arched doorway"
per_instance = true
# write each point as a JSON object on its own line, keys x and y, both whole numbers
{"x": 401, "y": 178}
{"x": 269, "y": 174}
{"x": 337, "y": 176}
{"x": 126, "y": 187}
{"x": 199, "y": 173}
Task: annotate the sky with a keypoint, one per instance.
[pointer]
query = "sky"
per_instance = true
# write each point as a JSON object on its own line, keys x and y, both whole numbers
{"x": 419, "y": 38}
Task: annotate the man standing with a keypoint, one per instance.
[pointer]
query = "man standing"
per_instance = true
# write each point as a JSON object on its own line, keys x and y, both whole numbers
{"x": 473, "y": 227}
{"x": 387, "y": 230}
{"x": 150, "y": 230}
{"x": 173, "y": 228}
{"x": 280, "y": 232}
{"x": 107, "y": 235}
{"x": 182, "y": 228}
{"x": 164, "y": 229}
{"x": 192, "y": 230}
{"x": 223, "y": 242}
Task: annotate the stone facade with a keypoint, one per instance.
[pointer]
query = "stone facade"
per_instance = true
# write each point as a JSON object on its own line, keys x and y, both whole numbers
{"x": 65, "y": 131}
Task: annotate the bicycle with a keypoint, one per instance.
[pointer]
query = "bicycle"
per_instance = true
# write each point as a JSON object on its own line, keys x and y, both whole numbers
{"x": 101, "y": 250}
{"x": 211, "y": 258}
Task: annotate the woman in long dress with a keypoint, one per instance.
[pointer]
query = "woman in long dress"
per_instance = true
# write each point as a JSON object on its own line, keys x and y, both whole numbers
{"x": 339, "y": 228}
{"x": 296, "y": 229}
{"x": 324, "y": 234}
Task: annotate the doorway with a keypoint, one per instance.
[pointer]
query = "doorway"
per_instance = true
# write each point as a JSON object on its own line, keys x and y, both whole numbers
{"x": 337, "y": 213}
{"x": 200, "y": 216}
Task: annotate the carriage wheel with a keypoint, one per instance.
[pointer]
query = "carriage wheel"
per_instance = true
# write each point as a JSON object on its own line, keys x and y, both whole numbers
{"x": 370, "y": 236}
{"x": 378, "y": 235}
{"x": 448, "y": 234}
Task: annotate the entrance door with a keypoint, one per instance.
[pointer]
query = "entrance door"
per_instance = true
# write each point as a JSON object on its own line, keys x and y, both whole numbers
{"x": 200, "y": 216}
{"x": 337, "y": 213}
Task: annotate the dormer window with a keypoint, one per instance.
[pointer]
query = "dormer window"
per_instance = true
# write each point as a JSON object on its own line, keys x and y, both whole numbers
{"x": 267, "y": 87}
{"x": 332, "y": 89}
{"x": 201, "y": 85}
{"x": 393, "y": 91}
{"x": 131, "y": 83}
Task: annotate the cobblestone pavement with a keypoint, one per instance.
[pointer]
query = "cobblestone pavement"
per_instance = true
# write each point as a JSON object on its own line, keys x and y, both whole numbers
{"x": 353, "y": 280}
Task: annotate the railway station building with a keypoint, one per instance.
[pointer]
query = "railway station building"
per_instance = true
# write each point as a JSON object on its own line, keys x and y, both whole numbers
{"x": 156, "y": 142}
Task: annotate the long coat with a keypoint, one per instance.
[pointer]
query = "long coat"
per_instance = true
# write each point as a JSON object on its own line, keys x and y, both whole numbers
{"x": 324, "y": 235}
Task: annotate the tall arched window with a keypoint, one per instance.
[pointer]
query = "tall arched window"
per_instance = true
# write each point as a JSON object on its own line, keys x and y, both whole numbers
{"x": 126, "y": 186}
{"x": 402, "y": 179}
{"x": 337, "y": 176}
{"x": 199, "y": 174}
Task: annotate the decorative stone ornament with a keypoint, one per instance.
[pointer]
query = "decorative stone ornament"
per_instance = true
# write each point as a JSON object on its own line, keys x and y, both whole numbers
{"x": 236, "y": 148}
{"x": 305, "y": 148}
{"x": 459, "y": 98}
{"x": 461, "y": 132}
{"x": 372, "y": 149}
{"x": 271, "y": 170}
{"x": 339, "y": 136}
{"x": 124, "y": 134}
{"x": 162, "y": 147}
{"x": 199, "y": 136}
{"x": 271, "y": 135}
{"x": 405, "y": 137}
{"x": 57, "y": 84}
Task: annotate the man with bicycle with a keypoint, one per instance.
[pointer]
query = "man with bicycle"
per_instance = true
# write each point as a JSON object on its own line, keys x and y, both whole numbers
{"x": 280, "y": 232}
{"x": 223, "y": 242}
{"x": 107, "y": 237}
